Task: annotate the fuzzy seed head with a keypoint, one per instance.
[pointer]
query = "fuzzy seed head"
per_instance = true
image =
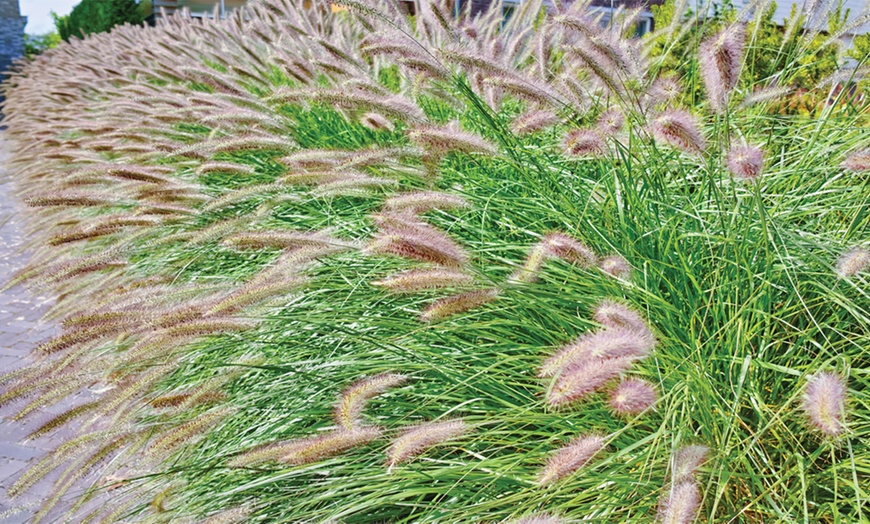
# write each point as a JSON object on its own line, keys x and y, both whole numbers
{"x": 616, "y": 266}
{"x": 583, "y": 143}
{"x": 611, "y": 122}
{"x": 632, "y": 397}
{"x": 720, "y": 59}
{"x": 582, "y": 379}
{"x": 687, "y": 460}
{"x": 679, "y": 129}
{"x": 745, "y": 162}
{"x": 538, "y": 518}
{"x": 853, "y": 262}
{"x": 416, "y": 440}
{"x": 423, "y": 201}
{"x": 376, "y": 122}
{"x": 312, "y": 449}
{"x": 348, "y": 411}
{"x": 570, "y": 250}
{"x": 617, "y": 315}
{"x": 534, "y": 121}
{"x": 680, "y": 506}
{"x": 615, "y": 342}
{"x": 825, "y": 403}
{"x": 422, "y": 279}
{"x": 570, "y": 458}
{"x": 456, "y": 304}
{"x": 534, "y": 261}
{"x": 858, "y": 162}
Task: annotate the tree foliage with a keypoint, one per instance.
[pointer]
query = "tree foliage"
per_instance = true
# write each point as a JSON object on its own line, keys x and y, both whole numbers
{"x": 97, "y": 16}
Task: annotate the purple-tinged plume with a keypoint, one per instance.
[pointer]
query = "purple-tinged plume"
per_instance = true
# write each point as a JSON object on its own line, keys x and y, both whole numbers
{"x": 533, "y": 121}
{"x": 582, "y": 379}
{"x": 455, "y": 304}
{"x": 416, "y": 440}
{"x": 570, "y": 458}
{"x": 853, "y": 262}
{"x": 721, "y": 58}
{"x": 610, "y": 122}
{"x": 615, "y": 266}
{"x": 312, "y": 449}
{"x": 745, "y": 162}
{"x": 679, "y": 129}
{"x": 825, "y": 402}
{"x": 858, "y": 161}
{"x": 632, "y": 397}
{"x": 614, "y": 342}
{"x": 617, "y": 315}
{"x": 537, "y": 518}
{"x": 570, "y": 250}
{"x": 423, "y": 201}
{"x": 687, "y": 460}
{"x": 376, "y": 122}
{"x": 583, "y": 143}
{"x": 423, "y": 279}
{"x": 680, "y": 505}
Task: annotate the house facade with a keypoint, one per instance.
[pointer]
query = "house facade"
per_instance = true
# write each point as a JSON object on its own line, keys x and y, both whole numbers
{"x": 197, "y": 8}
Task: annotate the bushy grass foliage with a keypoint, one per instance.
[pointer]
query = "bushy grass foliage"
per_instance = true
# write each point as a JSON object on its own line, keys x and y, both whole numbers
{"x": 357, "y": 266}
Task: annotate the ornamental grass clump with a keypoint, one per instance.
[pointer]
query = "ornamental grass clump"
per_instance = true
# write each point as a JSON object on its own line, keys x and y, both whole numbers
{"x": 256, "y": 227}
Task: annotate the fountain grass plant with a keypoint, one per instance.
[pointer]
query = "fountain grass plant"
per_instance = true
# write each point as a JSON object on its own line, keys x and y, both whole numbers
{"x": 314, "y": 261}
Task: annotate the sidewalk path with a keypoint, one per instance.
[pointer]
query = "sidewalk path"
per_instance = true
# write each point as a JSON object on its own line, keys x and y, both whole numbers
{"x": 21, "y": 329}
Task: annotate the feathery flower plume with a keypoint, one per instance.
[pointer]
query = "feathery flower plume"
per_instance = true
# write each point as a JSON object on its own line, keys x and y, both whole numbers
{"x": 680, "y": 506}
{"x": 570, "y": 250}
{"x": 376, "y": 122}
{"x": 745, "y": 162}
{"x": 312, "y": 449}
{"x": 534, "y": 121}
{"x": 209, "y": 326}
{"x": 348, "y": 411}
{"x": 453, "y": 305}
{"x": 403, "y": 235}
{"x": 583, "y": 143}
{"x": 175, "y": 437}
{"x": 616, "y": 266}
{"x": 255, "y": 292}
{"x": 568, "y": 459}
{"x": 351, "y": 185}
{"x": 687, "y": 460}
{"x": 632, "y": 397}
{"x": 768, "y": 94}
{"x": 414, "y": 441}
{"x": 538, "y": 518}
{"x": 617, "y": 315}
{"x": 522, "y": 88}
{"x": 585, "y": 377}
{"x": 679, "y": 129}
{"x": 613, "y": 342}
{"x": 229, "y": 168}
{"x": 858, "y": 161}
{"x": 721, "y": 57}
{"x": 70, "y": 199}
{"x": 231, "y": 197}
{"x": 422, "y": 279}
{"x": 610, "y": 122}
{"x": 449, "y": 138}
{"x": 534, "y": 261}
{"x": 853, "y": 262}
{"x": 280, "y": 240}
{"x": 423, "y": 201}
{"x": 315, "y": 158}
{"x": 824, "y": 402}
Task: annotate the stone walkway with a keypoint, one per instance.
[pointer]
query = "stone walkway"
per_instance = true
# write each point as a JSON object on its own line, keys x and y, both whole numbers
{"x": 21, "y": 329}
